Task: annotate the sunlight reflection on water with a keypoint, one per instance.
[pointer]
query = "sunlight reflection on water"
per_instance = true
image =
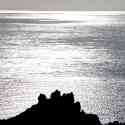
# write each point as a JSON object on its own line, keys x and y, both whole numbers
{"x": 88, "y": 60}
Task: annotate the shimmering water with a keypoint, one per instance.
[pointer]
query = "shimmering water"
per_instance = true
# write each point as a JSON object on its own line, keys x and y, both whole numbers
{"x": 83, "y": 54}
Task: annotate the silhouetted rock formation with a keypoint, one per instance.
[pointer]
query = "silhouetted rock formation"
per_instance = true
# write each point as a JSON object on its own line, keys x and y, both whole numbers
{"x": 56, "y": 110}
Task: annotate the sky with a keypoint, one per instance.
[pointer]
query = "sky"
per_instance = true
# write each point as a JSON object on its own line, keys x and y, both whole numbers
{"x": 62, "y": 5}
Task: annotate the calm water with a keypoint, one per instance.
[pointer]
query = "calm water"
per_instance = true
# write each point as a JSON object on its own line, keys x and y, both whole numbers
{"x": 86, "y": 56}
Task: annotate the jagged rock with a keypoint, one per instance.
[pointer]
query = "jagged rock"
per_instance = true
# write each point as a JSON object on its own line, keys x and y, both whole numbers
{"x": 56, "y": 110}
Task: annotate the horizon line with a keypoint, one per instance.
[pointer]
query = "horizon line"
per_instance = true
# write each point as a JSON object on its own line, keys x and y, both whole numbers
{"x": 64, "y": 11}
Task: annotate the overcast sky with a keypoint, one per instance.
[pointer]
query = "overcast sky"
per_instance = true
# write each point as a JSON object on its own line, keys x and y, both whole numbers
{"x": 62, "y": 5}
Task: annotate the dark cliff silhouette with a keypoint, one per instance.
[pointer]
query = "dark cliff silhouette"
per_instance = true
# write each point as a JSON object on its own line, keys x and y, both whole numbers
{"x": 58, "y": 109}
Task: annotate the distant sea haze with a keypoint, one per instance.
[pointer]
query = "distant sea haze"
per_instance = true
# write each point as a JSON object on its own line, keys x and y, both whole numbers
{"x": 71, "y": 52}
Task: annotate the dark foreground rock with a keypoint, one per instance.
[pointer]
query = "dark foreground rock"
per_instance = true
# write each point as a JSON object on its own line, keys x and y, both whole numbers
{"x": 58, "y": 109}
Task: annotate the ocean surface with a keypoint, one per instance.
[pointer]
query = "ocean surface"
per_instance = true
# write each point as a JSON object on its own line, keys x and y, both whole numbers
{"x": 76, "y": 52}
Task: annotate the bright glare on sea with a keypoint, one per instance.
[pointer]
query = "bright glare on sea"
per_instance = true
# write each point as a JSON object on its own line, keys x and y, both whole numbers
{"x": 70, "y": 52}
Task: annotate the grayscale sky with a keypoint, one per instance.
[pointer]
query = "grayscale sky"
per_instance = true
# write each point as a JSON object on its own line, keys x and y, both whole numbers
{"x": 54, "y": 5}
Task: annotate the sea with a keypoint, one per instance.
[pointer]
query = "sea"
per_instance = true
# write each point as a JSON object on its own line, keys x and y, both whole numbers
{"x": 79, "y": 52}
